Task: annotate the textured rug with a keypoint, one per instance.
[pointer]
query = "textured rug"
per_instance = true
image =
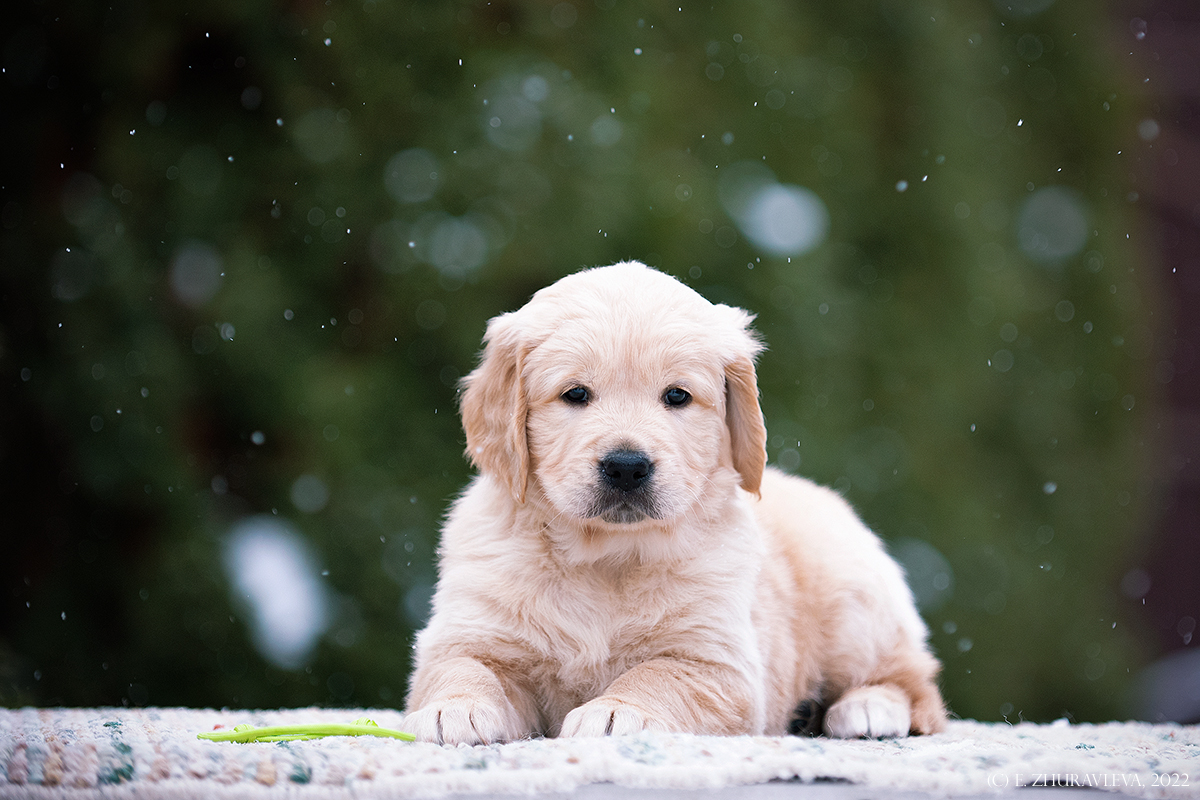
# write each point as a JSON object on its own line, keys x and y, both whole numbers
{"x": 154, "y": 753}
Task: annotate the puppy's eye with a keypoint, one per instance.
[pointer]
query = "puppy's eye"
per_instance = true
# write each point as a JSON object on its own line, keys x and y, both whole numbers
{"x": 576, "y": 396}
{"x": 676, "y": 397}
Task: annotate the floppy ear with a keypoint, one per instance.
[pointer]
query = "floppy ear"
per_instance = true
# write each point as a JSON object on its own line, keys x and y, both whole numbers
{"x": 494, "y": 408}
{"x": 743, "y": 415}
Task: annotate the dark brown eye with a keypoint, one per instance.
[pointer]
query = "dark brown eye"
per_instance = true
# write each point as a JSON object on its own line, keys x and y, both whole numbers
{"x": 676, "y": 397}
{"x": 576, "y": 396}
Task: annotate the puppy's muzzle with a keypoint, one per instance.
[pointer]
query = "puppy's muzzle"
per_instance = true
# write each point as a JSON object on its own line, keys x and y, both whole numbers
{"x": 623, "y": 492}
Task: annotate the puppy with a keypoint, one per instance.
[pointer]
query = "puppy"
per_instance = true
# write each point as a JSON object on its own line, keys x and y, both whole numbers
{"x": 625, "y": 561}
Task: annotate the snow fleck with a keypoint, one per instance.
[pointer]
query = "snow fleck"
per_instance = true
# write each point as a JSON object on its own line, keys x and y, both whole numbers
{"x": 309, "y": 494}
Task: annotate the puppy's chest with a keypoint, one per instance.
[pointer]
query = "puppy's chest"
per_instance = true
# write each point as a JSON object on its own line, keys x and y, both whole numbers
{"x": 592, "y": 631}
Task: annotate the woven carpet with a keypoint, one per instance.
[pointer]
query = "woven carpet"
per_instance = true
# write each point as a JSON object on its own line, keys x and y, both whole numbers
{"x": 154, "y": 753}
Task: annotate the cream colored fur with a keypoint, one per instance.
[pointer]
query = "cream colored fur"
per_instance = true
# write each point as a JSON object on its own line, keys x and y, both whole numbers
{"x": 714, "y": 601}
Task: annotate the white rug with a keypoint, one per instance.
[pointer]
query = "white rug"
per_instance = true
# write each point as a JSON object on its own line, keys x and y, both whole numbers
{"x": 154, "y": 753}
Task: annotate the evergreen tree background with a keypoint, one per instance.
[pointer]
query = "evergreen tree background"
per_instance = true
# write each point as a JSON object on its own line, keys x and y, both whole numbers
{"x": 250, "y": 247}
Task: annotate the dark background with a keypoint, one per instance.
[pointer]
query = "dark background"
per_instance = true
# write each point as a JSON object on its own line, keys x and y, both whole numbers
{"x": 250, "y": 247}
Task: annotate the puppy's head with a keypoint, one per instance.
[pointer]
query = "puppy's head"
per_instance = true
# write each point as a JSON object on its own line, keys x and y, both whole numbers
{"x": 620, "y": 397}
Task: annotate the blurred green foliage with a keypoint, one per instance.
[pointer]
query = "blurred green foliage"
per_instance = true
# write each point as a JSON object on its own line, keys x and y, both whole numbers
{"x": 247, "y": 242}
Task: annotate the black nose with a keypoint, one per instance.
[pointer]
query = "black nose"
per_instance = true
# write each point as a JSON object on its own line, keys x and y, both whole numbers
{"x": 626, "y": 469}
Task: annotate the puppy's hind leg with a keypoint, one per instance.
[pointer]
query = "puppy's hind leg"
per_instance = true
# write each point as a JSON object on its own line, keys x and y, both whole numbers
{"x": 903, "y": 698}
{"x": 871, "y": 712}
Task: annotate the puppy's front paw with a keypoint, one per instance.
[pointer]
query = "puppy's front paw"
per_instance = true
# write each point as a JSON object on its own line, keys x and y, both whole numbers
{"x": 873, "y": 712}
{"x": 463, "y": 720}
{"x": 608, "y": 716}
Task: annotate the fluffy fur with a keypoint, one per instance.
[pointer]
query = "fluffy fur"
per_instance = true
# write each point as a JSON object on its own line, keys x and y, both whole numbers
{"x": 625, "y": 560}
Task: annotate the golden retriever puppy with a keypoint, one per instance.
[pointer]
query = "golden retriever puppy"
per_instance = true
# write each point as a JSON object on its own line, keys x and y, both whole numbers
{"x": 625, "y": 561}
